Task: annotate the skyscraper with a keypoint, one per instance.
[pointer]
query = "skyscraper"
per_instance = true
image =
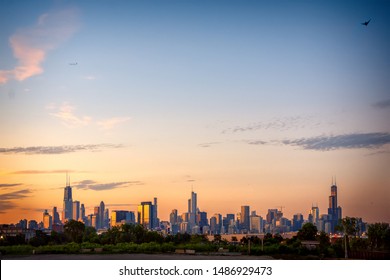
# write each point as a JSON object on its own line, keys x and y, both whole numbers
{"x": 145, "y": 214}
{"x": 76, "y": 210}
{"x": 315, "y": 212}
{"x": 82, "y": 213}
{"x": 192, "y": 207}
{"x": 47, "y": 220}
{"x": 96, "y": 211}
{"x": 68, "y": 202}
{"x": 334, "y": 211}
{"x": 56, "y": 216}
{"x": 245, "y": 220}
{"x": 155, "y": 218}
{"x": 101, "y": 215}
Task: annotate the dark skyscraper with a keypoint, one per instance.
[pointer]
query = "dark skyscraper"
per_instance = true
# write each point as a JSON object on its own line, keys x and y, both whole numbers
{"x": 245, "y": 221}
{"x": 101, "y": 215}
{"x": 56, "y": 216}
{"x": 334, "y": 211}
{"x": 68, "y": 202}
{"x": 192, "y": 207}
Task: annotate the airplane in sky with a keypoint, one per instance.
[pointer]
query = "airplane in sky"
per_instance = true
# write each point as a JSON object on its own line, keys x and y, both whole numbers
{"x": 366, "y": 22}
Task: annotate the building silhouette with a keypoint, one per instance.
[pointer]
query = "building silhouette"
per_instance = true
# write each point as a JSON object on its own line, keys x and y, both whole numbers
{"x": 334, "y": 211}
{"x": 147, "y": 214}
{"x": 68, "y": 202}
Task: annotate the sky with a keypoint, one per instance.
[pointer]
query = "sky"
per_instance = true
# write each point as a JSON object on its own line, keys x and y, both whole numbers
{"x": 259, "y": 103}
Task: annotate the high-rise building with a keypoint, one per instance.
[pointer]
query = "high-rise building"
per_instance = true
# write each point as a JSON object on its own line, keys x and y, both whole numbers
{"x": 56, "y": 216}
{"x": 155, "y": 219}
{"x": 22, "y": 224}
{"x": 315, "y": 212}
{"x": 192, "y": 208}
{"x": 245, "y": 220}
{"x": 213, "y": 225}
{"x": 174, "y": 222}
{"x": 297, "y": 222}
{"x": 145, "y": 214}
{"x": 68, "y": 202}
{"x": 202, "y": 219}
{"x": 106, "y": 220}
{"x": 101, "y": 215}
{"x": 32, "y": 224}
{"x": 82, "y": 213}
{"x": 256, "y": 224}
{"x": 119, "y": 217}
{"x": 96, "y": 218}
{"x": 47, "y": 220}
{"x": 76, "y": 210}
{"x": 334, "y": 211}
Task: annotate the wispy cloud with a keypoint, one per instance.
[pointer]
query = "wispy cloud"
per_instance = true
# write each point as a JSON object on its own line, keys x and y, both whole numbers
{"x": 208, "y": 144}
{"x": 281, "y": 124}
{"x": 382, "y": 104}
{"x": 51, "y": 150}
{"x": 346, "y": 141}
{"x": 62, "y": 171}
{"x": 257, "y": 142}
{"x": 89, "y": 78}
{"x": 108, "y": 124}
{"x": 6, "y": 186}
{"x": 93, "y": 185}
{"x": 30, "y": 45}
{"x": 67, "y": 116}
{"x": 7, "y": 199}
{"x": 66, "y": 113}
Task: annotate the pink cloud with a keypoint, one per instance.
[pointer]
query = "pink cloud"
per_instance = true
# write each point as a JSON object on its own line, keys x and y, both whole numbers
{"x": 69, "y": 119}
{"x": 110, "y": 123}
{"x": 30, "y": 45}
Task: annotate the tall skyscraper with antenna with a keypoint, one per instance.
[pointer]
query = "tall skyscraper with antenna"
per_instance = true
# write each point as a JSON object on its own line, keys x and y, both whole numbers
{"x": 192, "y": 207}
{"x": 334, "y": 211}
{"x": 68, "y": 201}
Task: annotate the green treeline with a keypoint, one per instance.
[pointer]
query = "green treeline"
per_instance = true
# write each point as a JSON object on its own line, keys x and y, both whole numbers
{"x": 77, "y": 238}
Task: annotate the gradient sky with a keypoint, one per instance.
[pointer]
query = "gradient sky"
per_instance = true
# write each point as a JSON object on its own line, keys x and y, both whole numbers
{"x": 255, "y": 103}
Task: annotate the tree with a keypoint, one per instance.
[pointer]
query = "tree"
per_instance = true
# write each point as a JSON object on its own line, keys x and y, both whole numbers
{"x": 378, "y": 235}
{"x": 217, "y": 238}
{"x": 40, "y": 239}
{"x": 74, "y": 231}
{"x": 90, "y": 235}
{"x": 307, "y": 232}
{"x": 349, "y": 227}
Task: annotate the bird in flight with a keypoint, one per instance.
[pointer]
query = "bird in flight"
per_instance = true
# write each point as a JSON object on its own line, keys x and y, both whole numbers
{"x": 73, "y": 63}
{"x": 366, "y": 22}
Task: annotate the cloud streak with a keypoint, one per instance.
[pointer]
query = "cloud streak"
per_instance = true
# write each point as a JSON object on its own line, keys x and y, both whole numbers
{"x": 68, "y": 118}
{"x": 93, "y": 185}
{"x": 30, "y": 45}
{"x": 382, "y": 104}
{"x": 6, "y": 186}
{"x": 346, "y": 141}
{"x": 55, "y": 150}
{"x": 108, "y": 124}
{"x": 208, "y": 144}
{"x": 62, "y": 171}
{"x": 7, "y": 199}
{"x": 281, "y": 124}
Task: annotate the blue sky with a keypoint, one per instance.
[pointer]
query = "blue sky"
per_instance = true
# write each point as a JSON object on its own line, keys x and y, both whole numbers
{"x": 216, "y": 93}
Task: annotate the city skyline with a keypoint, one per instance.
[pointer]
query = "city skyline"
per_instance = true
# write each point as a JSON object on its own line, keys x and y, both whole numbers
{"x": 146, "y": 212}
{"x": 247, "y": 102}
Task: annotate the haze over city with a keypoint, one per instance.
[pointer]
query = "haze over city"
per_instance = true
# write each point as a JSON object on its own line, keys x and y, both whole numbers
{"x": 254, "y": 103}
